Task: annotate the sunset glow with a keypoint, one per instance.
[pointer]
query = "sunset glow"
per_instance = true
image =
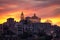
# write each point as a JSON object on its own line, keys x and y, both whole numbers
{"x": 44, "y": 9}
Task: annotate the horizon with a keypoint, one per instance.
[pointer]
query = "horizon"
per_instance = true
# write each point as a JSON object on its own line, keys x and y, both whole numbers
{"x": 42, "y": 20}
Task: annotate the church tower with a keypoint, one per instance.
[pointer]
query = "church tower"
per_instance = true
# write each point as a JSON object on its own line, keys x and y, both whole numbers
{"x": 22, "y": 16}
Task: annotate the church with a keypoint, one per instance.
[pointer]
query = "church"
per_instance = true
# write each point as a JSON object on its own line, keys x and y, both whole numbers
{"x": 33, "y": 19}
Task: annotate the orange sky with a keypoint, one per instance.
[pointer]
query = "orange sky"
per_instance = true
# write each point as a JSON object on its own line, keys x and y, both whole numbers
{"x": 45, "y": 9}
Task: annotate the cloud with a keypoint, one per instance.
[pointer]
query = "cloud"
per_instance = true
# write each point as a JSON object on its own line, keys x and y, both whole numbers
{"x": 46, "y": 3}
{"x": 38, "y": 4}
{"x": 9, "y": 5}
{"x": 56, "y": 12}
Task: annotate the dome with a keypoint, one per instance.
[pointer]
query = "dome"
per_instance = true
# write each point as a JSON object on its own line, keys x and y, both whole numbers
{"x": 34, "y": 17}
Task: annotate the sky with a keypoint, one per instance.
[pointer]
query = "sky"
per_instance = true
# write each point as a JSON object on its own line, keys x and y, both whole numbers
{"x": 45, "y": 9}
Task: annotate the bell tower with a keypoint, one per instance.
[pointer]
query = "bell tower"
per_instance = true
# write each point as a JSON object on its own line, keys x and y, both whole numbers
{"x": 22, "y": 16}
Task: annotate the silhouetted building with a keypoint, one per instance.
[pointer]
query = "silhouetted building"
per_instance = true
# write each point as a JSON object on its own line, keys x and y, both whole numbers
{"x": 34, "y": 19}
{"x": 1, "y": 29}
{"x": 29, "y": 28}
{"x": 10, "y": 22}
{"x": 22, "y": 16}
